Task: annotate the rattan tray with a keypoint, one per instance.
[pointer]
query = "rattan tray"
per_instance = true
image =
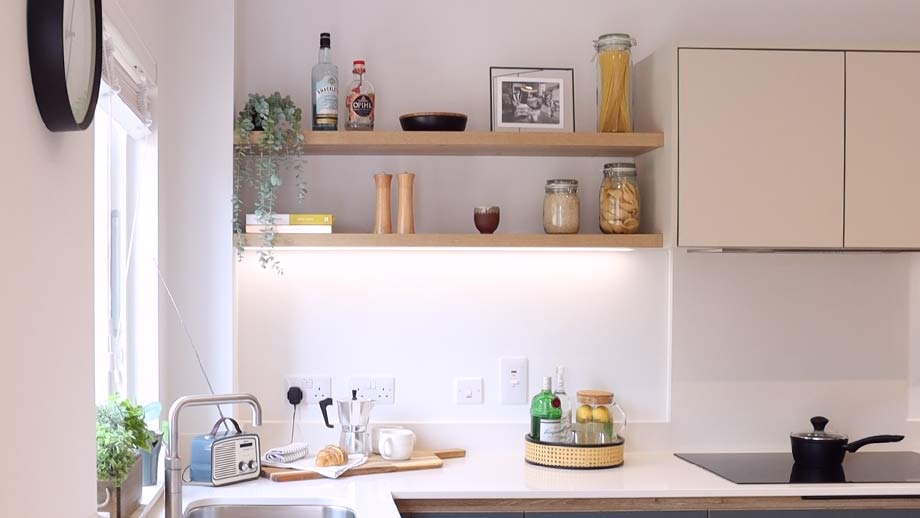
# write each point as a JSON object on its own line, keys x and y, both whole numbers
{"x": 573, "y": 456}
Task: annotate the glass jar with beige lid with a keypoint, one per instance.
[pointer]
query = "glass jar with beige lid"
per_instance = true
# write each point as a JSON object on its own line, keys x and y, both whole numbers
{"x": 594, "y": 418}
{"x": 561, "y": 207}
{"x": 619, "y": 199}
{"x": 614, "y": 82}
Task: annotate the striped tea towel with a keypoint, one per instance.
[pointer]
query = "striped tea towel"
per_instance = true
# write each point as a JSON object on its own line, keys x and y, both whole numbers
{"x": 286, "y": 454}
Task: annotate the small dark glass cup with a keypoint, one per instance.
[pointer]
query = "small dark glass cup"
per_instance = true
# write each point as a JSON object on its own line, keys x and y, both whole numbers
{"x": 486, "y": 219}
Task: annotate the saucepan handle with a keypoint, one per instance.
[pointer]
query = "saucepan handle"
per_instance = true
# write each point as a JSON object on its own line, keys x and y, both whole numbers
{"x": 875, "y": 439}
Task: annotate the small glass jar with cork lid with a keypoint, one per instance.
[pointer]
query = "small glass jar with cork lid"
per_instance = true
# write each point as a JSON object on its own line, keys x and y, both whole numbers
{"x": 561, "y": 207}
{"x": 594, "y": 418}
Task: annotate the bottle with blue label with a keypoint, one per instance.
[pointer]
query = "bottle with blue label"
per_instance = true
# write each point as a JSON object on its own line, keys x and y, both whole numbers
{"x": 325, "y": 82}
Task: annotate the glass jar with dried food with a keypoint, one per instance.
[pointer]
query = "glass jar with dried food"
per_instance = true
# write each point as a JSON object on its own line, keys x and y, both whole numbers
{"x": 561, "y": 207}
{"x": 614, "y": 82}
{"x": 619, "y": 199}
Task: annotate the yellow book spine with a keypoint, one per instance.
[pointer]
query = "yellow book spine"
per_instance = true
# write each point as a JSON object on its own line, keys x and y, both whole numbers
{"x": 311, "y": 219}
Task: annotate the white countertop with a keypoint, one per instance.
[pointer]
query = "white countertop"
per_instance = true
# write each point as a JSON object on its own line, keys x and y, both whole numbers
{"x": 486, "y": 476}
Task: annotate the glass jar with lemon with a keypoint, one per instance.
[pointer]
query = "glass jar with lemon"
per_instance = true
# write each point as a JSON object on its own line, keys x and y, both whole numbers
{"x": 594, "y": 418}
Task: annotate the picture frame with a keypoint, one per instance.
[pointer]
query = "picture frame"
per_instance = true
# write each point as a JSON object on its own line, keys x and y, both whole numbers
{"x": 531, "y": 99}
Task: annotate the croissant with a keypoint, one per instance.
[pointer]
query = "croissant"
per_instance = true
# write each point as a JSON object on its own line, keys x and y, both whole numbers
{"x": 331, "y": 455}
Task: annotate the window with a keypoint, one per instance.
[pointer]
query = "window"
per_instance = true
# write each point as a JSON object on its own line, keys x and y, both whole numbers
{"x": 125, "y": 252}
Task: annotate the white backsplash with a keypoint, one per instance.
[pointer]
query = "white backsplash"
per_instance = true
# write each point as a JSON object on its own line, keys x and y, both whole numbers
{"x": 761, "y": 342}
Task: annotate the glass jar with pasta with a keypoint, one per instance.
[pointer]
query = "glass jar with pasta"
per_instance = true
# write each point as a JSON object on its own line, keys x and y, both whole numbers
{"x": 619, "y": 200}
{"x": 614, "y": 82}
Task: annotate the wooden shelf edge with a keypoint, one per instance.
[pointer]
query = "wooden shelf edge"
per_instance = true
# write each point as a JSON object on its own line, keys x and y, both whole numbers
{"x": 460, "y": 240}
{"x": 473, "y": 143}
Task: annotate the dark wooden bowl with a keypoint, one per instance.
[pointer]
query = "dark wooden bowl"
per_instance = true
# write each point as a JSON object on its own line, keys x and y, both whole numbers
{"x": 433, "y": 121}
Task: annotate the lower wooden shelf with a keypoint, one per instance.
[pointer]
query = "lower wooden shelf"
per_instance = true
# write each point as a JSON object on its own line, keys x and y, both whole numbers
{"x": 461, "y": 240}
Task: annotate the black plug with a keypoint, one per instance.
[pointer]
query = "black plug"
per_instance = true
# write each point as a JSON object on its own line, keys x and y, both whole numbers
{"x": 294, "y": 395}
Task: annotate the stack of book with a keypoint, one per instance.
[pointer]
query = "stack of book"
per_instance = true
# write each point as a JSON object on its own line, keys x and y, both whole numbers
{"x": 292, "y": 224}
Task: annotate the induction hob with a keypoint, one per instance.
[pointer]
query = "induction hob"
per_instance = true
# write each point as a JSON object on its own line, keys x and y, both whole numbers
{"x": 779, "y": 468}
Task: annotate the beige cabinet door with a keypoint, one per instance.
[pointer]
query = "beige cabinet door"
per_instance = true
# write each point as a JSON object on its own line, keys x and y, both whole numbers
{"x": 761, "y": 148}
{"x": 883, "y": 150}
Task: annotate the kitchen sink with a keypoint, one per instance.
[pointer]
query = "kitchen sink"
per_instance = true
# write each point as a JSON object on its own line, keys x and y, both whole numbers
{"x": 270, "y": 511}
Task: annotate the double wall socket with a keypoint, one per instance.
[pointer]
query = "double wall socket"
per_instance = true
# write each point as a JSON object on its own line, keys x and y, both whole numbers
{"x": 315, "y": 388}
{"x": 381, "y": 390}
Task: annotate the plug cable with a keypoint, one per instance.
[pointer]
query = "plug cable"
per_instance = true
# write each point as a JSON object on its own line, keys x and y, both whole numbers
{"x": 294, "y": 397}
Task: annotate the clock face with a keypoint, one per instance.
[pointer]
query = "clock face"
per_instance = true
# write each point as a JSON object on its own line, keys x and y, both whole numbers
{"x": 79, "y": 54}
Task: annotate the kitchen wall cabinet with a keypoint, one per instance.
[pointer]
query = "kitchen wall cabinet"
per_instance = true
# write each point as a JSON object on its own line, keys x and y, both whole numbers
{"x": 882, "y": 150}
{"x": 761, "y": 148}
{"x": 781, "y": 148}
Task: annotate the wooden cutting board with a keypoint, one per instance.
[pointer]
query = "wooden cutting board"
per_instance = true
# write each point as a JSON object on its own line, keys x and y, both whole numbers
{"x": 375, "y": 464}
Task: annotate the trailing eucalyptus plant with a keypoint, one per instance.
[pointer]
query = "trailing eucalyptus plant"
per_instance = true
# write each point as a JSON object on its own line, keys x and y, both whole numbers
{"x": 257, "y": 165}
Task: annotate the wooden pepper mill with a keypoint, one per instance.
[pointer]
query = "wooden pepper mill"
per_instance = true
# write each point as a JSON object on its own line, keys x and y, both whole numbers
{"x": 383, "y": 221}
{"x": 405, "y": 218}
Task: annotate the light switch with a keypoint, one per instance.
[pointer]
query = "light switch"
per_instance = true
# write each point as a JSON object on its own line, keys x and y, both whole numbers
{"x": 514, "y": 380}
{"x": 469, "y": 391}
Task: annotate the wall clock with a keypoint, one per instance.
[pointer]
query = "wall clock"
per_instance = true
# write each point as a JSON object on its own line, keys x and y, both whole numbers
{"x": 65, "y": 56}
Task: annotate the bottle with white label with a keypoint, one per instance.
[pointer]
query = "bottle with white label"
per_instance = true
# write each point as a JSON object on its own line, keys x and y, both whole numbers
{"x": 325, "y": 82}
{"x": 546, "y": 415}
{"x": 361, "y": 100}
{"x": 565, "y": 404}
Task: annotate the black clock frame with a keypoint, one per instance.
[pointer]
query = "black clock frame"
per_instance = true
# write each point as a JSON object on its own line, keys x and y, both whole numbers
{"x": 45, "y": 26}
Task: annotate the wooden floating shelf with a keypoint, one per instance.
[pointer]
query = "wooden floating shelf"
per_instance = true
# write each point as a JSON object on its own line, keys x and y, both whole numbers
{"x": 461, "y": 240}
{"x": 472, "y": 143}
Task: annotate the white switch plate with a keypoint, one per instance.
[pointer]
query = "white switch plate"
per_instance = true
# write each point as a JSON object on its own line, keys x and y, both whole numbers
{"x": 513, "y": 380}
{"x": 315, "y": 388}
{"x": 468, "y": 391}
{"x": 381, "y": 390}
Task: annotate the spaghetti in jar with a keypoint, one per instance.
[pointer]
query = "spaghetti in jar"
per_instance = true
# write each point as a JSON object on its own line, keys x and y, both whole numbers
{"x": 614, "y": 82}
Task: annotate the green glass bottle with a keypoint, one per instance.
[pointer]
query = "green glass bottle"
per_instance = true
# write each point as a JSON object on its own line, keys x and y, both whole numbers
{"x": 546, "y": 414}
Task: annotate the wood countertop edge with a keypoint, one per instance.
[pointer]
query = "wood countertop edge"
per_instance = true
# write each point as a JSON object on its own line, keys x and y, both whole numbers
{"x": 655, "y": 504}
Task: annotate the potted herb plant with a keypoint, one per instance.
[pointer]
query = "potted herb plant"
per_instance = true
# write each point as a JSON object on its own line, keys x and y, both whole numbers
{"x": 257, "y": 162}
{"x": 121, "y": 434}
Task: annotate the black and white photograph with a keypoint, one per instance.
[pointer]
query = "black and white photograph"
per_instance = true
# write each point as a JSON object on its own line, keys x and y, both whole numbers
{"x": 530, "y": 103}
{"x": 537, "y": 99}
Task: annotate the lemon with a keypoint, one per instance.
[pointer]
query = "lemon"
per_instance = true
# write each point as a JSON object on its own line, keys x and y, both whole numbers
{"x": 601, "y": 414}
{"x": 583, "y": 414}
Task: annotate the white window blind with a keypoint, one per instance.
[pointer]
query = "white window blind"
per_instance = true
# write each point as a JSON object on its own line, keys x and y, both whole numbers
{"x": 127, "y": 68}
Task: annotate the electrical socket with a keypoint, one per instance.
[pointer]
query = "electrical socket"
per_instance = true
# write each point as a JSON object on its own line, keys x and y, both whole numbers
{"x": 315, "y": 388}
{"x": 468, "y": 391}
{"x": 381, "y": 390}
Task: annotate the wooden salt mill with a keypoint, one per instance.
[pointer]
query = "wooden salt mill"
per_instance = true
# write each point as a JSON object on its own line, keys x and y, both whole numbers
{"x": 405, "y": 218}
{"x": 383, "y": 221}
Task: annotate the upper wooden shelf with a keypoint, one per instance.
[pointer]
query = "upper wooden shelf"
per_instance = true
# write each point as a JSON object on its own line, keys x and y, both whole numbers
{"x": 472, "y": 143}
{"x": 461, "y": 240}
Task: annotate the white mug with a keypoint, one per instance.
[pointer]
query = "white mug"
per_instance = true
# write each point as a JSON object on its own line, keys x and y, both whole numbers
{"x": 375, "y": 434}
{"x": 396, "y": 444}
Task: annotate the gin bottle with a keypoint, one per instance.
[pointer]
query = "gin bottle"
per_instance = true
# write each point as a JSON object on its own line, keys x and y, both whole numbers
{"x": 325, "y": 82}
{"x": 565, "y": 404}
{"x": 361, "y": 100}
{"x": 545, "y": 414}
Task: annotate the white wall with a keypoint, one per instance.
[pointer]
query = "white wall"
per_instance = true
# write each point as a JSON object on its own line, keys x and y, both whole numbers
{"x": 46, "y": 376}
{"x": 764, "y": 342}
{"x": 773, "y": 339}
{"x": 195, "y": 152}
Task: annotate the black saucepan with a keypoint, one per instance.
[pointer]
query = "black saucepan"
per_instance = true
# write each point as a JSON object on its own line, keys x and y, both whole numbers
{"x": 821, "y": 449}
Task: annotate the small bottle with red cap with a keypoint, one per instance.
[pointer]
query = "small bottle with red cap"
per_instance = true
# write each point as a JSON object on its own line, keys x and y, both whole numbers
{"x": 361, "y": 100}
